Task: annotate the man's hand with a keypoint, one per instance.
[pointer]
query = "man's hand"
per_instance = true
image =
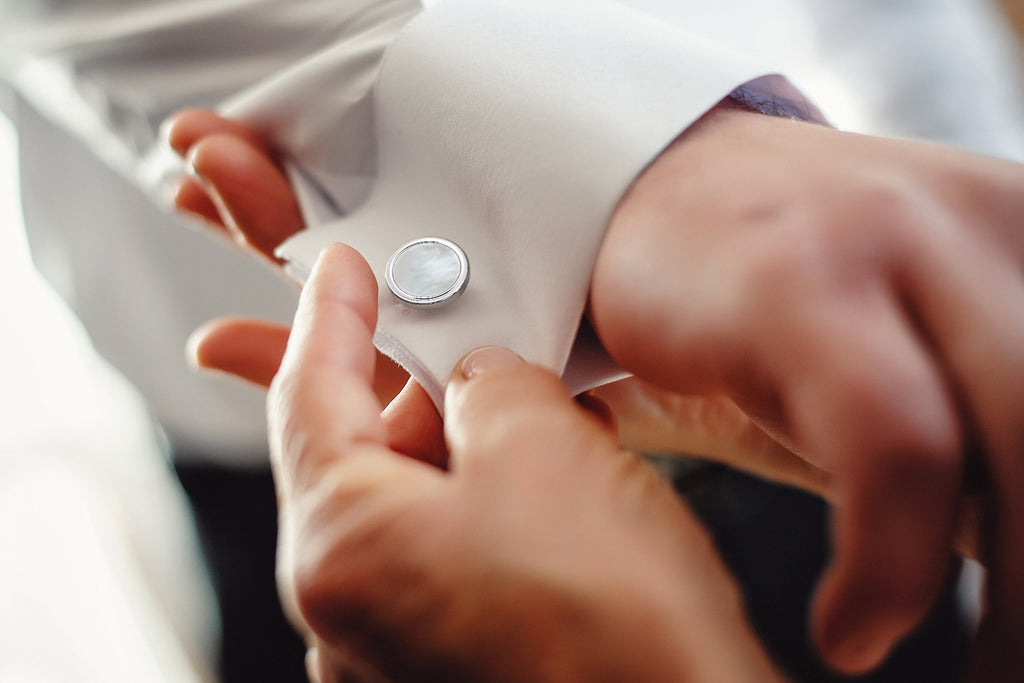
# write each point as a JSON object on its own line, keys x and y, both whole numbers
{"x": 543, "y": 553}
{"x": 863, "y": 300}
{"x": 236, "y": 186}
{"x": 791, "y": 285}
{"x": 235, "y": 183}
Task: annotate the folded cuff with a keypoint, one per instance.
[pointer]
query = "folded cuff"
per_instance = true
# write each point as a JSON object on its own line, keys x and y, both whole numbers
{"x": 512, "y": 128}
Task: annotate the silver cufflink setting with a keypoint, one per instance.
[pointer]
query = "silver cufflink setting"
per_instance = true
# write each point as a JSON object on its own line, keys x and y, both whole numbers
{"x": 427, "y": 272}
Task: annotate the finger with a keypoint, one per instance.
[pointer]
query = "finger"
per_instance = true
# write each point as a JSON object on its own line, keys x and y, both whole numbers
{"x": 414, "y": 427}
{"x": 516, "y": 424}
{"x": 343, "y": 493}
{"x": 874, "y": 410}
{"x": 249, "y": 349}
{"x": 972, "y": 301}
{"x": 327, "y": 664}
{"x": 252, "y": 195}
{"x": 497, "y": 406}
{"x": 191, "y": 198}
{"x": 322, "y": 402}
{"x": 186, "y": 128}
{"x": 654, "y": 420}
{"x": 389, "y": 379}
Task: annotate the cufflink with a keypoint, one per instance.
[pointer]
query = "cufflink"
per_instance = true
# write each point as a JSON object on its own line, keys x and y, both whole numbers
{"x": 430, "y": 271}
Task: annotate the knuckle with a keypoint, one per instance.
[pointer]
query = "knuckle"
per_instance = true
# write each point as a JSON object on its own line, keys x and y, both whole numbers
{"x": 339, "y": 576}
{"x": 914, "y": 459}
{"x": 787, "y": 265}
{"x": 844, "y": 237}
{"x": 928, "y": 446}
{"x": 910, "y": 438}
{"x": 898, "y": 422}
{"x": 923, "y": 452}
{"x": 880, "y": 214}
{"x": 330, "y": 595}
{"x": 780, "y": 279}
{"x": 314, "y": 590}
{"x": 880, "y": 199}
{"x": 897, "y": 602}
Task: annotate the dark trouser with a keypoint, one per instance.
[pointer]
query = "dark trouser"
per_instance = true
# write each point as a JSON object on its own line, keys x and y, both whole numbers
{"x": 236, "y": 512}
{"x": 773, "y": 538}
{"x": 775, "y": 541}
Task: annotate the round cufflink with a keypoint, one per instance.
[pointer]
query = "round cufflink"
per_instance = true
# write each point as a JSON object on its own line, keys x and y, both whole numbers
{"x": 430, "y": 271}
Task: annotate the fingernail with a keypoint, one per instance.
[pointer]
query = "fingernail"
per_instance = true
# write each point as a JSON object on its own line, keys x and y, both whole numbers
{"x": 488, "y": 358}
{"x": 192, "y": 347}
{"x": 167, "y": 191}
{"x": 190, "y": 164}
{"x": 164, "y": 132}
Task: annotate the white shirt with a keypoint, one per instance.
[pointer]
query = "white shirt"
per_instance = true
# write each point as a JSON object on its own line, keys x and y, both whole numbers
{"x": 512, "y": 129}
{"x": 95, "y": 82}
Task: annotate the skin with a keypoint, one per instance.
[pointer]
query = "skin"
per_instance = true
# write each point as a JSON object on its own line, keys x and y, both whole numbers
{"x": 230, "y": 164}
{"x": 489, "y": 570}
{"x": 862, "y": 299}
{"x": 843, "y": 327}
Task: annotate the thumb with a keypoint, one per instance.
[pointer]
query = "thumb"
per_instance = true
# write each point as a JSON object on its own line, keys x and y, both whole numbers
{"x": 498, "y": 406}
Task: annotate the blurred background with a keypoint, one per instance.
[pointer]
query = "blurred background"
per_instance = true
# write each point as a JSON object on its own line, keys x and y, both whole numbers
{"x": 102, "y": 575}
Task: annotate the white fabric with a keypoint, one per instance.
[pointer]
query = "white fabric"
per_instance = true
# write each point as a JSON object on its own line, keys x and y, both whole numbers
{"x": 93, "y": 84}
{"x": 512, "y": 128}
{"x": 301, "y": 72}
{"x": 101, "y": 579}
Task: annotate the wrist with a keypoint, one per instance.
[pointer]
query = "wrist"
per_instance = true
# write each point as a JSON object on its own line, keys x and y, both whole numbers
{"x": 679, "y": 226}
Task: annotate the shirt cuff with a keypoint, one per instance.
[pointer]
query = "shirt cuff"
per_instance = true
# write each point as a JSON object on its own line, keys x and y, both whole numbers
{"x": 512, "y": 128}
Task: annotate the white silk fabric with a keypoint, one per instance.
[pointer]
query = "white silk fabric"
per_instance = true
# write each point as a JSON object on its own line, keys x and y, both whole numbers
{"x": 513, "y": 128}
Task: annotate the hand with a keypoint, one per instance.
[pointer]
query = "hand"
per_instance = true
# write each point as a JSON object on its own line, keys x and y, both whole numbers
{"x": 648, "y": 419}
{"x": 237, "y": 187}
{"x": 544, "y": 553}
{"x": 655, "y": 420}
{"x": 863, "y": 300}
{"x": 233, "y": 166}
{"x": 235, "y": 183}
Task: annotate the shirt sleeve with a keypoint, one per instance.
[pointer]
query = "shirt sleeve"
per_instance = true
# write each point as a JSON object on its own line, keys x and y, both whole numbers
{"x": 87, "y": 84}
{"x": 110, "y": 72}
{"x": 508, "y": 127}
{"x": 512, "y": 128}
